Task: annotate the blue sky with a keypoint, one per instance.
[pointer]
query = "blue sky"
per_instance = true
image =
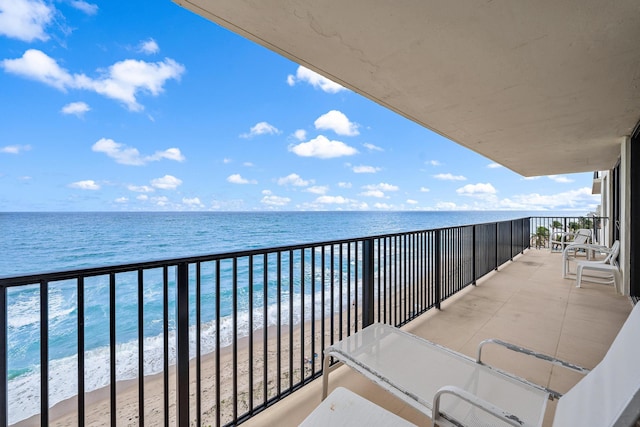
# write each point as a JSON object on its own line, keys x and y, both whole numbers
{"x": 145, "y": 106}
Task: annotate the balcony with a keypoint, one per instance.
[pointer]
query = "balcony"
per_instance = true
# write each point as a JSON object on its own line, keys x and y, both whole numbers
{"x": 276, "y": 309}
{"x": 525, "y": 302}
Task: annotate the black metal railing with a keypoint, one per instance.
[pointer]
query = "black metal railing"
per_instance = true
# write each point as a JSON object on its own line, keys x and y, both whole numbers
{"x": 216, "y": 339}
{"x": 546, "y": 229}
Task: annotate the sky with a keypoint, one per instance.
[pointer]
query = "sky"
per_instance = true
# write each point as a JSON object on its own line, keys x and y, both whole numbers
{"x": 146, "y": 106}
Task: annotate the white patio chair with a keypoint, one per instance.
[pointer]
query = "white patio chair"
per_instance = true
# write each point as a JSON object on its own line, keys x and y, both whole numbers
{"x": 563, "y": 239}
{"x": 606, "y": 271}
{"x": 453, "y": 389}
{"x": 568, "y": 255}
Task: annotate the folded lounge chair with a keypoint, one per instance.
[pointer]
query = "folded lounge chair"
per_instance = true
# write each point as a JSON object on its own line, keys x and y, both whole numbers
{"x": 611, "y": 255}
{"x": 453, "y": 389}
{"x": 561, "y": 239}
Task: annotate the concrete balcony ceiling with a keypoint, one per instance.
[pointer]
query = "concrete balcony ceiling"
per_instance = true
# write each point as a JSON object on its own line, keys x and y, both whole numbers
{"x": 540, "y": 87}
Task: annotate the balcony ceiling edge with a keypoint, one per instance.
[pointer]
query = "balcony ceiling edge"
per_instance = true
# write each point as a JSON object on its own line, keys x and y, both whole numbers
{"x": 541, "y": 89}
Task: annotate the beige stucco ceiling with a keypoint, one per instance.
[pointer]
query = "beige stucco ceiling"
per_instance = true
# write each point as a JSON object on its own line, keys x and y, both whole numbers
{"x": 542, "y": 87}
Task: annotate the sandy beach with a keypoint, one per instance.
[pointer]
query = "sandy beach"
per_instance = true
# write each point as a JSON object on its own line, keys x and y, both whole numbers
{"x": 97, "y": 403}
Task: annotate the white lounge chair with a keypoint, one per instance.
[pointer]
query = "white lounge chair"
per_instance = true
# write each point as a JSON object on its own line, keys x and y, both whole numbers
{"x": 453, "y": 389}
{"x": 569, "y": 255}
{"x": 561, "y": 239}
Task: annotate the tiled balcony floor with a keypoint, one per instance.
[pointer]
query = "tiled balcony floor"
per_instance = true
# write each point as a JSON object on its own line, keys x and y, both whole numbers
{"x": 527, "y": 303}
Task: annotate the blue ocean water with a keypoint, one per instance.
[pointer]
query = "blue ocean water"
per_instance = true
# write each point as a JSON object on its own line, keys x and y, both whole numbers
{"x": 43, "y": 242}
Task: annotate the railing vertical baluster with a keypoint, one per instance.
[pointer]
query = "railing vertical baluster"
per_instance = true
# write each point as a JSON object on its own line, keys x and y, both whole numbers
{"x": 302, "y": 320}
{"x": 438, "y": 249}
{"x": 44, "y": 353}
{"x": 340, "y": 318}
{"x": 4, "y": 385}
{"x": 279, "y": 324}
{"x": 348, "y": 289}
{"x": 368, "y": 283}
{"x": 313, "y": 308}
{"x": 355, "y": 287}
{"x": 251, "y": 334}
{"x": 473, "y": 255}
{"x": 182, "y": 345}
{"x": 234, "y": 311}
{"x": 331, "y": 294}
{"x": 141, "y": 347}
{"x": 291, "y": 279}
{"x": 198, "y": 344}
{"x": 80, "y": 305}
{"x": 112, "y": 348}
{"x": 218, "y": 374}
{"x": 265, "y": 336}
{"x": 165, "y": 339}
{"x": 379, "y": 290}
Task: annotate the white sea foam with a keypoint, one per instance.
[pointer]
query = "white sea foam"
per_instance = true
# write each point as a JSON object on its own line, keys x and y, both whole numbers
{"x": 24, "y": 390}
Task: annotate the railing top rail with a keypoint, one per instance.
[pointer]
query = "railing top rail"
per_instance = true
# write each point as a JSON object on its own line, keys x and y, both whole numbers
{"x": 53, "y": 276}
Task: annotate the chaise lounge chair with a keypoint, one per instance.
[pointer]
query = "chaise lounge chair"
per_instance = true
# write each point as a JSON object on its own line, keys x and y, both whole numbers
{"x": 611, "y": 255}
{"x": 455, "y": 390}
{"x": 561, "y": 239}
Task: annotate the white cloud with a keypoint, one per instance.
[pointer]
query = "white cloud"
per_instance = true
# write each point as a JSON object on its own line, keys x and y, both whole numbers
{"x": 248, "y": 164}
{"x": 142, "y": 197}
{"x": 372, "y": 147}
{"x": 383, "y": 186}
{"x": 192, "y": 202}
{"x": 333, "y": 200}
{"x": 573, "y": 199}
{"x": 76, "y": 108}
{"x": 262, "y": 128}
{"x": 494, "y": 165}
{"x": 300, "y": 134}
{"x": 304, "y": 74}
{"x": 424, "y": 190}
{"x": 384, "y": 206}
{"x": 123, "y": 81}
{"x": 449, "y": 206}
{"x": 318, "y": 189}
{"x": 322, "y": 148}
{"x": 236, "y": 178}
{"x": 88, "y": 184}
{"x": 412, "y": 202}
{"x": 140, "y": 188}
{"x": 149, "y": 47}
{"x": 373, "y": 193}
{"x": 14, "y": 149}
{"x": 160, "y": 200}
{"x": 167, "y": 182}
{"x": 344, "y": 184}
{"x": 476, "y": 189}
{"x": 559, "y": 178}
{"x": 83, "y": 6}
{"x": 449, "y": 177}
{"x": 366, "y": 169}
{"x": 131, "y": 156}
{"x": 336, "y": 121}
{"x": 25, "y": 20}
{"x": 293, "y": 179}
{"x": 226, "y": 160}
{"x": 434, "y": 163}
{"x": 531, "y": 178}
{"x": 275, "y": 200}
{"x": 121, "y": 200}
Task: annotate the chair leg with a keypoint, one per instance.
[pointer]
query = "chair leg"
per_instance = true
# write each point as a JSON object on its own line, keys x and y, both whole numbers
{"x": 578, "y": 275}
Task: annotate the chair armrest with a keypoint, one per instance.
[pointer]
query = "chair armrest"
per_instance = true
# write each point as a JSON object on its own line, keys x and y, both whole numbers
{"x": 474, "y": 400}
{"x": 523, "y": 350}
{"x": 541, "y": 356}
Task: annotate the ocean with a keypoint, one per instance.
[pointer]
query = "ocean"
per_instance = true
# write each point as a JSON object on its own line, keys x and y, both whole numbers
{"x": 44, "y": 242}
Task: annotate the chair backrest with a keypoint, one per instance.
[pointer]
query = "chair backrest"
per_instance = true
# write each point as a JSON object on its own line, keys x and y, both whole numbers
{"x": 612, "y": 257}
{"x": 582, "y": 236}
{"x": 610, "y": 393}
